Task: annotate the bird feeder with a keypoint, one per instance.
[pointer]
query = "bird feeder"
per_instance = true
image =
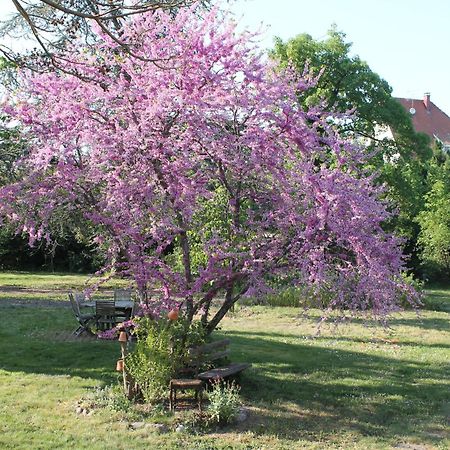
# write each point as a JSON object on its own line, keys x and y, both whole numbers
{"x": 119, "y": 365}
{"x": 123, "y": 336}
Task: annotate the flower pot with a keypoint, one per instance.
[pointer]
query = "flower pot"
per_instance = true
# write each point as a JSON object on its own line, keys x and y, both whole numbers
{"x": 173, "y": 314}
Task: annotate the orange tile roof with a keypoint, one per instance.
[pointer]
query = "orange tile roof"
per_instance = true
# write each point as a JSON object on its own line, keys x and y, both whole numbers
{"x": 428, "y": 118}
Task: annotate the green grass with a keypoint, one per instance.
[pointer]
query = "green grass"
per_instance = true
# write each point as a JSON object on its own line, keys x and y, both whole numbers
{"x": 357, "y": 387}
{"x": 46, "y": 286}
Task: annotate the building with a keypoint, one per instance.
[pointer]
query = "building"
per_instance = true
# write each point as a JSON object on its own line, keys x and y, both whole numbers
{"x": 429, "y": 119}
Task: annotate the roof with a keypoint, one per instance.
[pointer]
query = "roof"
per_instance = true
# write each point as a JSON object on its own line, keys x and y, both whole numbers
{"x": 428, "y": 118}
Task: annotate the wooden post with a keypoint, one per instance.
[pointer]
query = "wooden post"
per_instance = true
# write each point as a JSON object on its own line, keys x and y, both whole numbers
{"x": 127, "y": 381}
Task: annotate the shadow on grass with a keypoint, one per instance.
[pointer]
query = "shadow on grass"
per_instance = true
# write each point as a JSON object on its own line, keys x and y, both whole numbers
{"x": 31, "y": 343}
{"x": 300, "y": 390}
{"x": 425, "y": 323}
{"x": 308, "y": 391}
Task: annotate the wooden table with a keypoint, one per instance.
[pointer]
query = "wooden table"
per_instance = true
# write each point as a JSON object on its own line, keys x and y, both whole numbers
{"x": 125, "y": 306}
{"x": 120, "y": 304}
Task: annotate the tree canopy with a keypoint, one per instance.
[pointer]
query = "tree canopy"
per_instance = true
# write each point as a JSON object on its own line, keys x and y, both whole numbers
{"x": 201, "y": 174}
{"x": 347, "y": 83}
{"x": 50, "y": 24}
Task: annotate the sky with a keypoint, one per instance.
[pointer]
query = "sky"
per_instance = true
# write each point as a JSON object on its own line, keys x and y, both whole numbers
{"x": 407, "y": 42}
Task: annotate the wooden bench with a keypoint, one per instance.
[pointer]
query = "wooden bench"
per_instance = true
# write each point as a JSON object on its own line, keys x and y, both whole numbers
{"x": 198, "y": 357}
{"x": 207, "y": 353}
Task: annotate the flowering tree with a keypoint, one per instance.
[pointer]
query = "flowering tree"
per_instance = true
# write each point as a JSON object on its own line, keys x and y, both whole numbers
{"x": 192, "y": 164}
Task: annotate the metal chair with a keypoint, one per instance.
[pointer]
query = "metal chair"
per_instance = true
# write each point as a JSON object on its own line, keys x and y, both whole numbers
{"x": 105, "y": 314}
{"x": 83, "y": 319}
{"x": 79, "y": 297}
{"x": 122, "y": 294}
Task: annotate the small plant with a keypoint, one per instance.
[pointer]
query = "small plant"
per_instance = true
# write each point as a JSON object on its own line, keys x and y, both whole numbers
{"x": 224, "y": 402}
{"x": 196, "y": 422}
{"x": 108, "y": 397}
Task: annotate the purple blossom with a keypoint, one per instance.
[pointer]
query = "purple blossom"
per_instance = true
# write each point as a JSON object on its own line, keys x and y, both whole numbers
{"x": 144, "y": 146}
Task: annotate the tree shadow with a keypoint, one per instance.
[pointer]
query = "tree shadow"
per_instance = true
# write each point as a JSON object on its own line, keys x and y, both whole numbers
{"x": 307, "y": 391}
{"x": 422, "y": 322}
{"x": 299, "y": 390}
{"x": 32, "y": 343}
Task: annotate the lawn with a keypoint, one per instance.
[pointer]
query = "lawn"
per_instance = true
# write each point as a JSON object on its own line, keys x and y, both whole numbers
{"x": 355, "y": 387}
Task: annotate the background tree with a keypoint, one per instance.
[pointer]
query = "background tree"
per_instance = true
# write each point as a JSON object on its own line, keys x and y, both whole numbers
{"x": 52, "y": 23}
{"x": 209, "y": 154}
{"x": 434, "y": 220}
{"x": 347, "y": 83}
{"x": 69, "y": 249}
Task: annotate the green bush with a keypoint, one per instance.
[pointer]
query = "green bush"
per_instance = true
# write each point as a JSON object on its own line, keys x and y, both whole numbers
{"x": 224, "y": 402}
{"x": 414, "y": 283}
{"x": 159, "y": 353}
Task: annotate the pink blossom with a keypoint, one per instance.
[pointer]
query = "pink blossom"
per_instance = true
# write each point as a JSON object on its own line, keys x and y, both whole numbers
{"x": 143, "y": 143}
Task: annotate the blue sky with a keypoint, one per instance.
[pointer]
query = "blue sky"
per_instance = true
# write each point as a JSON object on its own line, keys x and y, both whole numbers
{"x": 407, "y": 42}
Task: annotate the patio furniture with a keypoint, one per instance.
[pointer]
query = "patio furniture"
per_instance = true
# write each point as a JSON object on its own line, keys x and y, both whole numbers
{"x": 182, "y": 385}
{"x": 105, "y": 314}
{"x": 83, "y": 319}
{"x": 122, "y": 294}
{"x": 123, "y": 297}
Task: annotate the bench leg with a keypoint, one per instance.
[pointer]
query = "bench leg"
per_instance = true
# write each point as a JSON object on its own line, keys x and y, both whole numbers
{"x": 172, "y": 399}
{"x": 200, "y": 399}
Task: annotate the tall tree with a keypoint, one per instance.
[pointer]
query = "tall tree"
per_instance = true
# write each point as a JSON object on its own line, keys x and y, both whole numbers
{"x": 346, "y": 83}
{"x": 209, "y": 152}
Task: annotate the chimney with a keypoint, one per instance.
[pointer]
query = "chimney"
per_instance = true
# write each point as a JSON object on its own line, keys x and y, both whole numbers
{"x": 426, "y": 100}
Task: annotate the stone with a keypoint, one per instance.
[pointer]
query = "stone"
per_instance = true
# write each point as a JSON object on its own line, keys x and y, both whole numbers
{"x": 242, "y": 415}
{"x": 180, "y": 428}
{"x": 137, "y": 425}
{"x": 158, "y": 427}
{"x": 79, "y": 410}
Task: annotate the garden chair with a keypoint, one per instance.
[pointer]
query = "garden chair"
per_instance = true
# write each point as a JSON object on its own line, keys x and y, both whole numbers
{"x": 122, "y": 294}
{"x": 79, "y": 297}
{"x": 105, "y": 314}
{"x": 83, "y": 319}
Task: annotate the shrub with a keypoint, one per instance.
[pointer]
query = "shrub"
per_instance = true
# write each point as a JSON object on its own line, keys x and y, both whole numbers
{"x": 299, "y": 296}
{"x": 415, "y": 284}
{"x": 224, "y": 402}
{"x": 159, "y": 353}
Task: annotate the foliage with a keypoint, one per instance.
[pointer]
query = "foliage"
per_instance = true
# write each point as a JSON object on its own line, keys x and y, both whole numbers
{"x": 346, "y": 83}
{"x": 434, "y": 222}
{"x": 160, "y": 351}
{"x": 69, "y": 248}
{"x": 299, "y": 296}
{"x": 135, "y": 150}
{"x": 52, "y": 24}
{"x": 12, "y": 147}
{"x": 224, "y": 402}
{"x": 109, "y": 397}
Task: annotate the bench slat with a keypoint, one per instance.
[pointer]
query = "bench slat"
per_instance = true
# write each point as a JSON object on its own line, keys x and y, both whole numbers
{"x": 223, "y": 372}
{"x": 205, "y": 348}
{"x": 197, "y": 361}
